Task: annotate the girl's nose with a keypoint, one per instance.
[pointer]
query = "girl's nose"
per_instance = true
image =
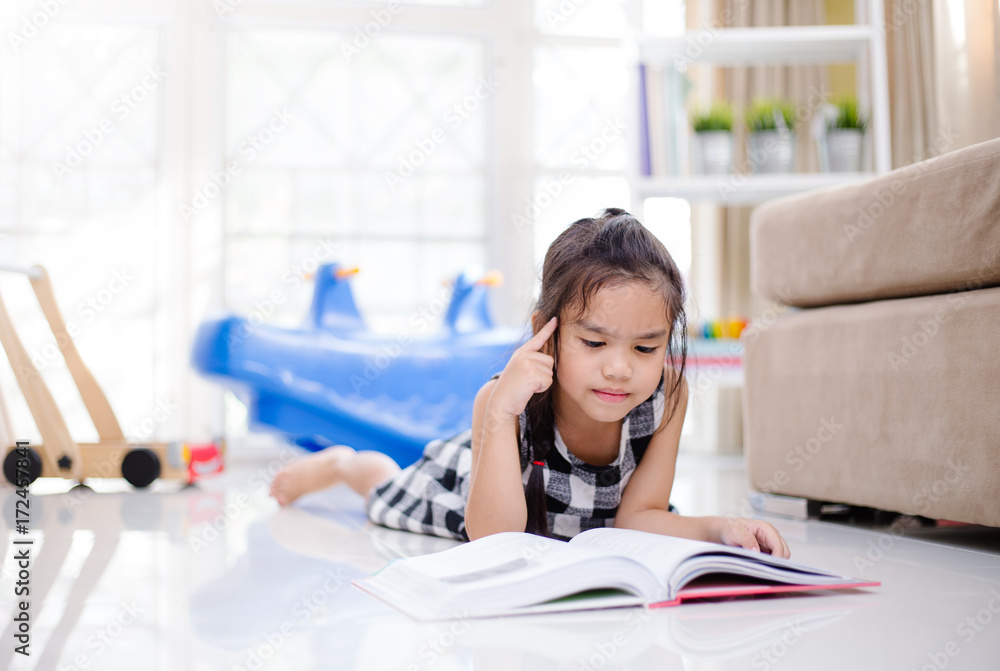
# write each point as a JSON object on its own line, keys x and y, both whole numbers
{"x": 617, "y": 366}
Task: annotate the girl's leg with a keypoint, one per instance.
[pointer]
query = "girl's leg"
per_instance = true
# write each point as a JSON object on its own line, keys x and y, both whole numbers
{"x": 361, "y": 471}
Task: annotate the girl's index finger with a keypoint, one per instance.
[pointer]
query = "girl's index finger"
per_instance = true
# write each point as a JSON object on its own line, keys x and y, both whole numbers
{"x": 538, "y": 340}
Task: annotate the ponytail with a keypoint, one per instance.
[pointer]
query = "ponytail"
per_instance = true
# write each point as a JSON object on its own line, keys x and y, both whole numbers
{"x": 540, "y": 436}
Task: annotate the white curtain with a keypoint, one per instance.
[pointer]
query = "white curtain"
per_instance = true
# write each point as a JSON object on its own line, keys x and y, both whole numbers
{"x": 944, "y": 64}
{"x": 740, "y": 86}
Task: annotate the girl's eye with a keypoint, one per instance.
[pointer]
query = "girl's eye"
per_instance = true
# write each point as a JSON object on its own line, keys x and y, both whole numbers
{"x": 645, "y": 350}
{"x": 592, "y": 343}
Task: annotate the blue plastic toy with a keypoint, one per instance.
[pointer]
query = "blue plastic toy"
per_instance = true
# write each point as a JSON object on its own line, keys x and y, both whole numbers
{"x": 334, "y": 381}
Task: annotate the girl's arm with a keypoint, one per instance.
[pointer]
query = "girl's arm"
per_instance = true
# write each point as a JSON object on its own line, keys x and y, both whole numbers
{"x": 646, "y": 497}
{"x": 496, "y": 494}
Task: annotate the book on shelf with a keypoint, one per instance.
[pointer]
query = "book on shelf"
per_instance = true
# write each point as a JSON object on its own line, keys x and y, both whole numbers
{"x": 663, "y": 121}
{"x": 645, "y": 166}
{"x": 518, "y": 573}
{"x": 658, "y": 119}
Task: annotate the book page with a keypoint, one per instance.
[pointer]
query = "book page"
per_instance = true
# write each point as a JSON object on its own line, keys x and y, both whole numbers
{"x": 499, "y": 557}
{"x": 508, "y": 571}
{"x": 676, "y": 561}
{"x": 660, "y": 554}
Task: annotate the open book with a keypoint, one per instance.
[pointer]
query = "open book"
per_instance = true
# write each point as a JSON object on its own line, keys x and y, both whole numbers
{"x": 513, "y": 573}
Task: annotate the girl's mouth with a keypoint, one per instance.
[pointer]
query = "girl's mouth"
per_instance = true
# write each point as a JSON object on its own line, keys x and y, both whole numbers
{"x": 609, "y": 396}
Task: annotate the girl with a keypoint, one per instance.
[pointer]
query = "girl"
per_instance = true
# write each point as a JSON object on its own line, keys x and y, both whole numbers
{"x": 581, "y": 428}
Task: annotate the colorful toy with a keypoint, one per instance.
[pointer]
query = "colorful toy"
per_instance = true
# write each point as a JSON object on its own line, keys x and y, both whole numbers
{"x": 335, "y": 381}
{"x": 719, "y": 328}
{"x": 204, "y": 459}
{"x": 59, "y": 455}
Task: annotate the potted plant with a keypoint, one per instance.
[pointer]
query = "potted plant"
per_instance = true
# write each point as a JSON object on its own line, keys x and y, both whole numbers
{"x": 843, "y": 140}
{"x": 712, "y": 145}
{"x": 770, "y": 141}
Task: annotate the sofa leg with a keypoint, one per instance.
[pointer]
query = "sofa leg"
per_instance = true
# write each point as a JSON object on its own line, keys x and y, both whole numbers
{"x": 802, "y": 509}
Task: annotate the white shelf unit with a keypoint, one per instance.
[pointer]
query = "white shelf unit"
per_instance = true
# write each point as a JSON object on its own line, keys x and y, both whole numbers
{"x": 713, "y": 422}
{"x": 862, "y": 44}
{"x": 761, "y": 46}
{"x": 740, "y": 189}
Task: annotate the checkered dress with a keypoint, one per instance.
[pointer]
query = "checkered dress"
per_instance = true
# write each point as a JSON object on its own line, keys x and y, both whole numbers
{"x": 429, "y": 496}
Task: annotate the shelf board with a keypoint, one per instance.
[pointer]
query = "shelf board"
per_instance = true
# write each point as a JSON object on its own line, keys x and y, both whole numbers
{"x": 746, "y": 46}
{"x": 742, "y": 189}
{"x": 715, "y": 351}
{"x": 715, "y": 363}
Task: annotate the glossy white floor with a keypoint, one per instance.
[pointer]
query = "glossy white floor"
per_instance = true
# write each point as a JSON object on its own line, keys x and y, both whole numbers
{"x": 217, "y": 577}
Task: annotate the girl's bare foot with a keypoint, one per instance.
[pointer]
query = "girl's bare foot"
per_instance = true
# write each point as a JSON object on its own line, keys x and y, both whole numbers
{"x": 313, "y": 473}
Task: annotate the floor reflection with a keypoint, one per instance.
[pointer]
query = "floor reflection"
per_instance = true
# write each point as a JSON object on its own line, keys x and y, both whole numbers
{"x": 220, "y": 577}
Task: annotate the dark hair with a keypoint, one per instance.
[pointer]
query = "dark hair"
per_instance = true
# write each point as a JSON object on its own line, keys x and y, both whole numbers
{"x": 591, "y": 254}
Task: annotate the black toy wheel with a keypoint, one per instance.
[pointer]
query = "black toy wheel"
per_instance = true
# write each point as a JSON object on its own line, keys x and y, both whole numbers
{"x": 140, "y": 467}
{"x": 32, "y": 471}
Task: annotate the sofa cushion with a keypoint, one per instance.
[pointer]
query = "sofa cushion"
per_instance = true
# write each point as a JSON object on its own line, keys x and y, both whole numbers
{"x": 891, "y": 404}
{"x": 928, "y": 228}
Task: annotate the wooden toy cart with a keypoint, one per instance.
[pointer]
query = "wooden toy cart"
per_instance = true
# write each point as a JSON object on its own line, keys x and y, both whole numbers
{"x": 59, "y": 455}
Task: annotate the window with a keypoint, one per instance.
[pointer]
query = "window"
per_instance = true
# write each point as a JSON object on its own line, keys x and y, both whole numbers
{"x": 166, "y": 160}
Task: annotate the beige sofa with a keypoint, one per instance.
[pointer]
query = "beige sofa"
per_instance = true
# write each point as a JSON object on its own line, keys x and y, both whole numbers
{"x": 879, "y": 384}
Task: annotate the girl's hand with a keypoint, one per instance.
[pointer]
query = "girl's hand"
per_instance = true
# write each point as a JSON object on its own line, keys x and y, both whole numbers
{"x": 753, "y": 535}
{"x": 528, "y": 372}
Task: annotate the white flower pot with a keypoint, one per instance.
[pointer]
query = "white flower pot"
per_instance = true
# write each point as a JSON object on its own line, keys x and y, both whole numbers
{"x": 712, "y": 152}
{"x": 771, "y": 151}
{"x": 844, "y": 148}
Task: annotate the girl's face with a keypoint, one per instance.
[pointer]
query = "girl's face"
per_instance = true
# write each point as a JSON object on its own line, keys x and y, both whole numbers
{"x": 611, "y": 358}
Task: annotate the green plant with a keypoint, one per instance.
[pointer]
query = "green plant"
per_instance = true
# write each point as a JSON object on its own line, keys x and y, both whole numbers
{"x": 848, "y": 115}
{"x": 719, "y": 116}
{"x": 761, "y": 114}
